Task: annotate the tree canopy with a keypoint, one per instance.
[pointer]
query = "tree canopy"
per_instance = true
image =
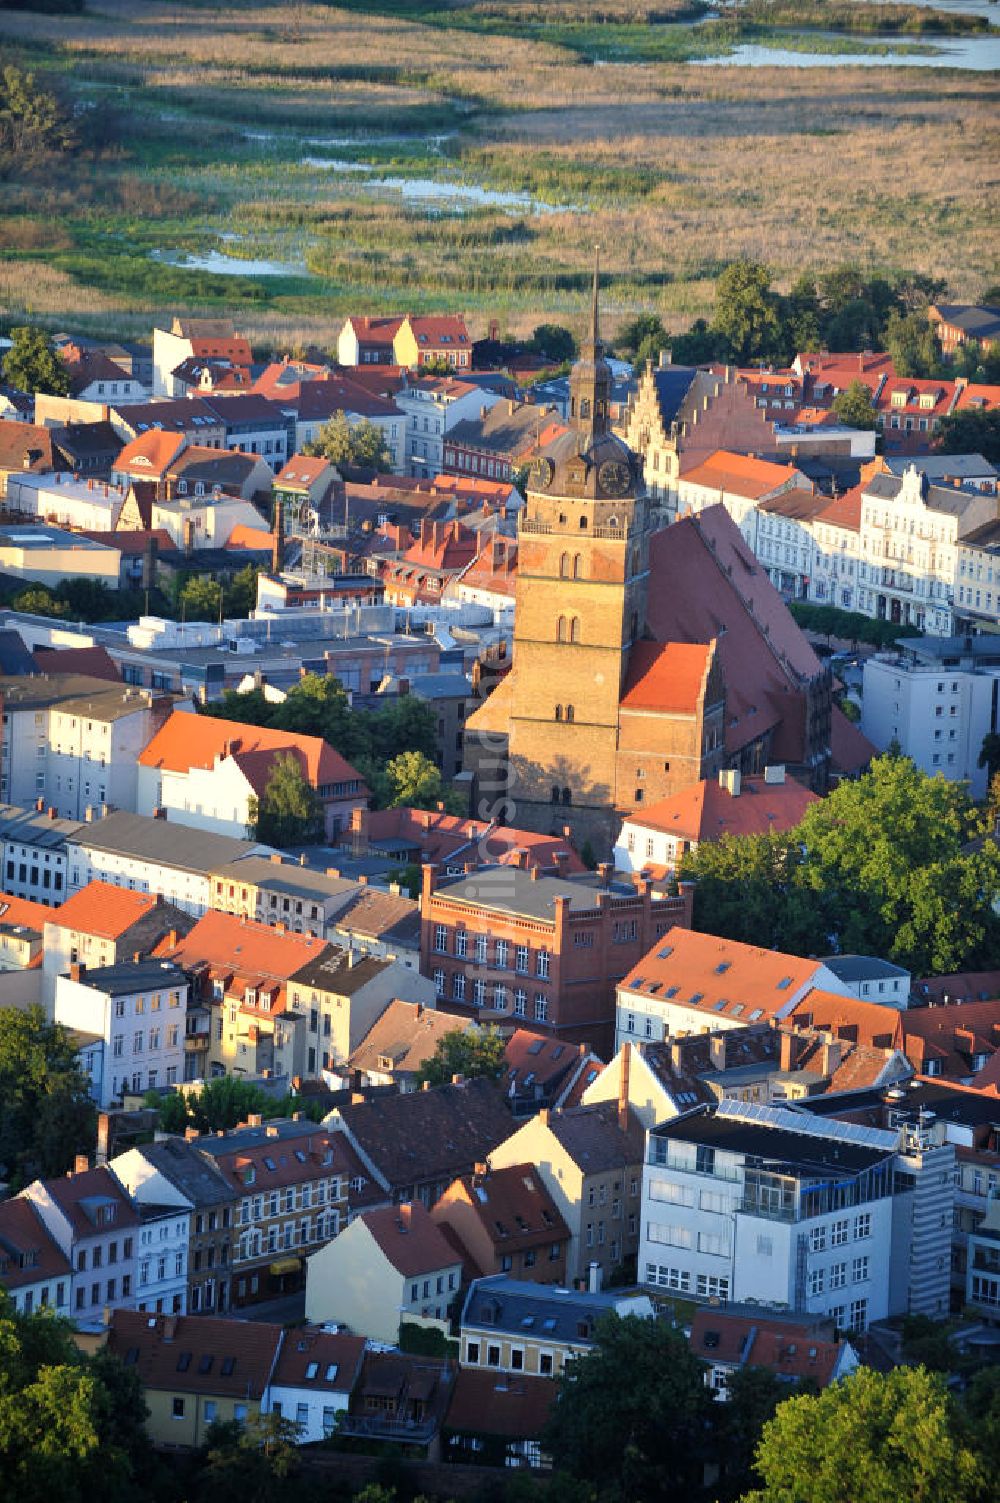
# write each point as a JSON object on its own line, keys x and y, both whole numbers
{"x": 370, "y": 740}
{"x": 882, "y": 866}
{"x": 222, "y": 1104}
{"x": 46, "y": 1115}
{"x": 472, "y": 1052}
{"x": 971, "y": 430}
{"x": 854, "y": 406}
{"x": 867, "y": 1439}
{"x": 630, "y": 1416}
{"x": 359, "y": 446}
{"x": 31, "y": 364}
{"x": 34, "y": 126}
{"x": 288, "y": 812}
{"x": 553, "y": 342}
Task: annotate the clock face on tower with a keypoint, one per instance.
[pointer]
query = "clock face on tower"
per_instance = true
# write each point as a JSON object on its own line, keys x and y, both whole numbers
{"x": 614, "y": 477}
{"x": 541, "y": 473}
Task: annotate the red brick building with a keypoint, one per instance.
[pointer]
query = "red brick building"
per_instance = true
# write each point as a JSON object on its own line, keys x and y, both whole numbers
{"x": 505, "y": 943}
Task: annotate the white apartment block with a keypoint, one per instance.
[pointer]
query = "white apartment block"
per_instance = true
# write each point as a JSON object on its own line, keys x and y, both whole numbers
{"x": 74, "y": 742}
{"x": 977, "y": 584}
{"x": 95, "y": 1226}
{"x": 756, "y": 1203}
{"x": 938, "y": 705}
{"x": 65, "y": 500}
{"x": 139, "y": 1009}
{"x": 161, "y": 1259}
{"x": 33, "y": 853}
{"x": 836, "y": 559}
{"x": 910, "y": 531}
{"x": 431, "y": 408}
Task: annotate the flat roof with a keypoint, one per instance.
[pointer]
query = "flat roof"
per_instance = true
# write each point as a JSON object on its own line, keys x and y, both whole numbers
{"x": 780, "y": 1147}
{"x": 133, "y": 976}
{"x": 512, "y": 890}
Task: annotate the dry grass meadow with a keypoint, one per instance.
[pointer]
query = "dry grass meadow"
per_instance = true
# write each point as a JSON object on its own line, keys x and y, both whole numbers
{"x": 674, "y": 169}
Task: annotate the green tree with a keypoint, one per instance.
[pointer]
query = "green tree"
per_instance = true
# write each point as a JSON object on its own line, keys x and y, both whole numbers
{"x": 802, "y": 315}
{"x": 746, "y": 312}
{"x": 241, "y": 592}
{"x": 172, "y": 1108}
{"x": 972, "y": 430}
{"x": 70, "y": 1429}
{"x": 256, "y": 1462}
{"x": 629, "y": 1417}
{"x": 414, "y": 781}
{"x": 912, "y": 342}
{"x": 32, "y": 365}
{"x": 201, "y": 599}
{"x": 46, "y": 1115}
{"x": 699, "y": 346}
{"x": 989, "y": 755}
{"x": 746, "y": 889}
{"x": 867, "y": 1439}
{"x": 554, "y": 342}
{"x": 634, "y": 334}
{"x": 854, "y": 406}
{"x": 288, "y": 812}
{"x": 360, "y": 446}
{"x": 752, "y": 1397}
{"x": 38, "y": 601}
{"x": 318, "y": 706}
{"x": 475, "y": 1052}
{"x": 34, "y": 126}
{"x": 886, "y": 865}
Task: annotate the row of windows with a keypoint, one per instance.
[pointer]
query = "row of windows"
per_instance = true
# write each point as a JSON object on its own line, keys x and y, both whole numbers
{"x": 494, "y": 995}
{"x": 503, "y": 952}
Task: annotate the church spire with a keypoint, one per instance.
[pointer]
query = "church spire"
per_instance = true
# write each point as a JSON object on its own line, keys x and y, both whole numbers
{"x": 590, "y": 380}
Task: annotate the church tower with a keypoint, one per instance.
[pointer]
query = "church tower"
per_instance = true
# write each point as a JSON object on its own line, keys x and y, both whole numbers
{"x": 583, "y": 561}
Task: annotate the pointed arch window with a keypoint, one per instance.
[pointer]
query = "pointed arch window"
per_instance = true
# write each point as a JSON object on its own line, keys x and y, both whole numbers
{"x": 574, "y": 629}
{"x": 564, "y": 566}
{"x": 584, "y": 407}
{"x": 577, "y": 565}
{"x": 562, "y": 630}
{"x": 555, "y": 794}
{"x": 567, "y": 797}
{"x": 570, "y": 712}
{"x": 559, "y": 713}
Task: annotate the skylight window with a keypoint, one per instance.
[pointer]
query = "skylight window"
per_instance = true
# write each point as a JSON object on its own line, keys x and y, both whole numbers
{"x": 312, "y": 1368}
{"x": 184, "y": 1362}
{"x": 784, "y": 983}
{"x": 331, "y": 1371}
{"x": 758, "y": 1012}
{"x": 228, "y": 1364}
{"x": 665, "y": 953}
{"x": 722, "y": 967}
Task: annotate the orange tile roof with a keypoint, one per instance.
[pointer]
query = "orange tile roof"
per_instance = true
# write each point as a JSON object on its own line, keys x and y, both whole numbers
{"x": 666, "y": 679}
{"x": 978, "y": 395}
{"x": 720, "y": 977}
{"x": 707, "y": 811}
{"x": 849, "y": 1018}
{"x": 428, "y": 328}
{"x": 242, "y": 946}
{"x": 302, "y": 469}
{"x": 18, "y": 912}
{"x": 102, "y": 909}
{"x": 739, "y": 474}
{"x": 187, "y": 741}
{"x": 243, "y": 536}
{"x": 151, "y": 454}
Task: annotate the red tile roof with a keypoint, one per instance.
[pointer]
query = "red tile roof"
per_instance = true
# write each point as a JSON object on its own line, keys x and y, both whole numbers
{"x": 975, "y": 394}
{"x": 316, "y": 1359}
{"x": 843, "y": 511}
{"x": 707, "y": 811}
{"x": 187, "y": 741}
{"x": 23, "y": 1235}
{"x": 102, "y": 909}
{"x": 151, "y": 454}
{"x": 791, "y": 1350}
{"x": 225, "y": 1357}
{"x": 95, "y": 662}
{"x": 850, "y": 749}
{"x": 256, "y": 538}
{"x": 410, "y": 1240}
{"x": 429, "y": 329}
{"x": 380, "y": 331}
{"x": 509, "y": 1405}
{"x": 92, "y": 1201}
{"x": 513, "y": 1206}
{"x": 848, "y": 1018}
{"x": 722, "y": 592}
{"x": 242, "y": 946}
{"x": 666, "y": 679}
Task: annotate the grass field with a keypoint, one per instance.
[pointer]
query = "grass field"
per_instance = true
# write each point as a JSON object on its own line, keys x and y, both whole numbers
{"x": 224, "y": 113}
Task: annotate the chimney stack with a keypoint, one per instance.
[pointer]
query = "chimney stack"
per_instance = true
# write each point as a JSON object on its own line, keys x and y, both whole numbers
{"x": 789, "y": 1050}
{"x": 81, "y": 1164}
{"x": 623, "y": 1087}
{"x": 103, "y": 1135}
{"x": 717, "y": 1050}
{"x": 405, "y": 1216}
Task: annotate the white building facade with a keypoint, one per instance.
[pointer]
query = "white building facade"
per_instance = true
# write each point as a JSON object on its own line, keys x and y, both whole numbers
{"x": 759, "y": 1203}
{"x": 139, "y": 1009}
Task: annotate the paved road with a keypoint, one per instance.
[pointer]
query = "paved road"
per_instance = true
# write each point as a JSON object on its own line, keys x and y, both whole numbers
{"x": 283, "y": 1311}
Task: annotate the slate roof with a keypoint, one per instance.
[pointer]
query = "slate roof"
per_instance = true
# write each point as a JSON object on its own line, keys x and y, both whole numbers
{"x": 590, "y": 1135}
{"x": 406, "y": 1034}
{"x": 194, "y": 1173}
{"x": 428, "y": 1135}
{"x": 540, "y": 1311}
{"x": 672, "y": 382}
{"x": 332, "y": 970}
{"x": 160, "y": 842}
{"x": 382, "y": 916}
{"x": 196, "y": 1353}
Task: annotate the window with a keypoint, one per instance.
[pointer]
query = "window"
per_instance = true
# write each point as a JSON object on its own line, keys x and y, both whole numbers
{"x": 439, "y": 982}
{"x": 521, "y": 959}
{"x": 542, "y": 964}
{"x": 815, "y": 1282}
{"x": 472, "y": 1353}
{"x": 859, "y": 1315}
{"x": 520, "y": 1003}
{"x": 838, "y": 1234}
{"x": 441, "y": 939}
{"x": 863, "y": 1225}
{"x": 492, "y": 1356}
{"x": 838, "y": 1275}
{"x": 541, "y": 1009}
{"x": 859, "y": 1270}
{"x": 817, "y": 1239}
{"x": 178, "y": 1408}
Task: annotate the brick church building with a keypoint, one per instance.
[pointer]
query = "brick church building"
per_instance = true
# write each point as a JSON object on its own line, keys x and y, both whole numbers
{"x": 644, "y": 660}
